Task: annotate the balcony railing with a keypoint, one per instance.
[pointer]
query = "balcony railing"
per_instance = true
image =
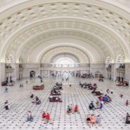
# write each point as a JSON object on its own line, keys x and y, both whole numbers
{"x": 65, "y": 65}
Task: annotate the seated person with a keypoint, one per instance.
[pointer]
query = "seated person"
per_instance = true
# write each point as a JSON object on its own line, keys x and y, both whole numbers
{"x": 76, "y": 108}
{"x": 43, "y": 115}
{"x": 101, "y": 91}
{"x": 120, "y": 84}
{"x": 95, "y": 84}
{"x": 105, "y": 99}
{"x": 47, "y": 117}
{"x": 109, "y": 99}
{"x": 127, "y": 118}
{"x": 93, "y": 119}
{"x": 69, "y": 109}
{"x": 37, "y": 101}
{"x": 50, "y": 98}
{"x": 91, "y": 87}
{"x": 94, "y": 89}
{"x": 97, "y": 105}
{"x": 6, "y": 105}
{"x": 58, "y": 92}
{"x": 91, "y": 106}
{"x": 127, "y": 102}
{"x": 31, "y": 95}
{"x": 29, "y": 116}
{"x": 57, "y": 99}
{"x": 88, "y": 119}
{"x": 101, "y": 98}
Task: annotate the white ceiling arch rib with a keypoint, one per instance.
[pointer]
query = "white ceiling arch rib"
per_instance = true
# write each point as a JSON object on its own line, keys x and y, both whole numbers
{"x": 95, "y": 12}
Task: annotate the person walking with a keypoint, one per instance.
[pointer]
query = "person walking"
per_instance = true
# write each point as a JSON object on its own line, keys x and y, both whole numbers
{"x": 6, "y": 89}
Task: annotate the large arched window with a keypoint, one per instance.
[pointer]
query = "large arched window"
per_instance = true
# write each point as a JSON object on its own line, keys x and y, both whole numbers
{"x": 120, "y": 59}
{"x": 65, "y": 62}
{"x": 21, "y": 60}
{"x": 108, "y": 61}
{"x": 9, "y": 59}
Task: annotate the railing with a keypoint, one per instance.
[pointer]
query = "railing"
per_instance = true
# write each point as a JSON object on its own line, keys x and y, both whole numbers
{"x": 65, "y": 65}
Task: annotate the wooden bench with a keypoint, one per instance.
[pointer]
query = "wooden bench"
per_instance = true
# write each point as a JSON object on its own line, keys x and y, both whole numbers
{"x": 97, "y": 93}
{"x": 41, "y": 87}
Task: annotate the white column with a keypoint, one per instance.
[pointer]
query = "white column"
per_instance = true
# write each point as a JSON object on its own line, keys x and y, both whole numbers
{"x": 2, "y": 72}
{"x": 113, "y": 72}
{"x": 16, "y": 71}
{"x": 48, "y": 73}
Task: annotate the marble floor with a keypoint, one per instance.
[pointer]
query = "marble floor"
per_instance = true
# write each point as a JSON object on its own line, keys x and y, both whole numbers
{"x": 113, "y": 114}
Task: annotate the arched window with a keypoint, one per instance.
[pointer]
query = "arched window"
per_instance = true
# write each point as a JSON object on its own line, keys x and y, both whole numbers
{"x": 20, "y": 60}
{"x": 120, "y": 58}
{"x": 108, "y": 61}
{"x": 9, "y": 59}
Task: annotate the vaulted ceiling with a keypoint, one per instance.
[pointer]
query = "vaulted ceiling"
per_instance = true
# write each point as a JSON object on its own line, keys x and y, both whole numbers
{"x": 101, "y": 28}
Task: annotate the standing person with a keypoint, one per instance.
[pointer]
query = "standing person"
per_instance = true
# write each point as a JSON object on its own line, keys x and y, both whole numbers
{"x": 6, "y": 105}
{"x": 99, "y": 120}
{"x": 41, "y": 80}
{"x": 127, "y": 103}
{"x": 6, "y": 89}
{"x": 70, "y": 84}
{"x": 29, "y": 116}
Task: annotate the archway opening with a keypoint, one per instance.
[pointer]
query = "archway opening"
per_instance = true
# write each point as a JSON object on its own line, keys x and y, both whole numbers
{"x": 65, "y": 62}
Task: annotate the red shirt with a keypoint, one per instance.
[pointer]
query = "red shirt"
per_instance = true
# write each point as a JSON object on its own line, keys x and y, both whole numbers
{"x": 127, "y": 102}
{"x": 76, "y": 108}
{"x": 48, "y": 117}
